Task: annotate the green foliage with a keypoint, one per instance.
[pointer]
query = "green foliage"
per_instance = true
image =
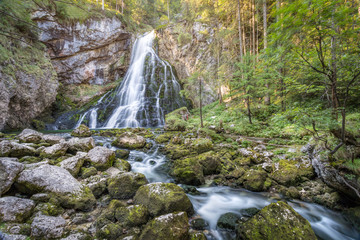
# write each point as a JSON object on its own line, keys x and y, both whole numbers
{"x": 184, "y": 38}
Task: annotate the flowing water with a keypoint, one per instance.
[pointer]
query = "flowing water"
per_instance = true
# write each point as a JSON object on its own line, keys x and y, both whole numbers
{"x": 148, "y": 91}
{"x": 212, "y": 202}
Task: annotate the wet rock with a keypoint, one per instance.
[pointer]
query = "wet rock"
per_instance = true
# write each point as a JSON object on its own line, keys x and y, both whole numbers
{"x": 47, "y": 227}
{"x": 13, "y": 149}
{"x": 199, "y": 224}
{"x": 73, "y": 164}
{"x": 30, "y": 136}
{"x": 330, "y": 200}
{"x": 81, "y": 144}
{"x": 13, "y": 209}
{"x": 172, "y": 226}
{"x": 54, "y": 151}
{"x": 197, "y": 236}
{"x": 276, "y": 221}
{"x": 81, "y": 131}
{"x": 228, "y": 221}
{"x": 87, "y": 172}
{"x": 249, "y": 212}
{"x": 122, "y": 165}
{"x": 101, "y": 157}
{"x": 122, "y": 153}
{"x": 188, "y": 171}
{"x": 254, "y": 180}
{"x": 353, "y": 214}
{"x": 132, "y": 216}
{"x": 9, "y": 170}
{"x": 130, "y": 141}
{"x": 59, "y": 182}
{"x": 162, "y": 198}
{"x": 125, "y": 185}
{"x": 292, "y": 173}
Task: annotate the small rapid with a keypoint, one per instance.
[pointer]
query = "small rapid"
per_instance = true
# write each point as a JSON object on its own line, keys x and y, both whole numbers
{"x": 212, "y": 202}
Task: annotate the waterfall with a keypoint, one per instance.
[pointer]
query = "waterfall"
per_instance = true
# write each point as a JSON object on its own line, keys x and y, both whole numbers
{"x": 148, "y": 91}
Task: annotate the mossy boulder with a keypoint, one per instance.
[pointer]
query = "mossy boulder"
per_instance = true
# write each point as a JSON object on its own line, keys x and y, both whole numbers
{"x": 276, "y": 221}
{"x": 129, "y": 140}
{"x": 199, "y": 224}
{"x": 55, "y": 151}
{"x": 292, "y": 172}
{"x": 125, "y": 185}
{"x": 163, "y": 138}
{"x": 353, "y": 214}
{"x": 87, "y": 172}
{"x": 81, "y": 131}
{"x": 122, "y": 165}
{"x": 59, "y": 183}
{"x": 188, "y": 171}
{"x": 254, "y": 180}
{"x": 172, "y": 226}
{"x": 176, "y": 120}
{"x": 110, "y": 231}
{"x": 210, "y": 161}
{"x": 132, "y": 216}
{"x": 13, "y": 149}
{"x": 101, "y": 158}
{"x": 122, "y": 153}
{"x": 73, "y": 164}
{"x": 47, "y": 227}
{"x": 30, "y": 136}
{"x": 162, "y": 198}
{"x": 176, "y": 151}
{"x": 49, "y": 209}
{"x": 80, "y": 144}
{"x": 201, "y": 145}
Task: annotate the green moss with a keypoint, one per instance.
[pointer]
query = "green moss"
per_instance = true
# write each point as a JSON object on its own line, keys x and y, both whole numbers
{"x": 201, "y": 145}
{"x": 87, "y": 172}
{"x": 176, "y": 151}
{"x": 135, "y": 215}
{"x": 188, "y": 171}
{"x": 49, "y": 209}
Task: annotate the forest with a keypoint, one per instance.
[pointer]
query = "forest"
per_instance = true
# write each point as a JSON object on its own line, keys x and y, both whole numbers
{"x": 180, "y": 119}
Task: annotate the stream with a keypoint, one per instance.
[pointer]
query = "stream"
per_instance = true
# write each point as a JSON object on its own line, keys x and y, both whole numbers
{"x": 212, "y": 202}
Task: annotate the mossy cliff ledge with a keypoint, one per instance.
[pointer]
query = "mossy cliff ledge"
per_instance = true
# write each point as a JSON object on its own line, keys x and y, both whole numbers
{"x": 89, "y": 52}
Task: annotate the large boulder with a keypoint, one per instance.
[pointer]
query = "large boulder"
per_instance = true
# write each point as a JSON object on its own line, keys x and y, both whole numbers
{"x": 55, "y": 151}
{"x": 13, "y": 149}
{"x": 254, "y": 180}
{"x": 52, "y": 139}
{"x": 73, "y": 164}
{"x": 101, "y": 157}
{"x": 276, "y": 221}
{"x": 81, "y": 144}
{"x": 162, "y": 198}
{"x": 30, "y": 136}
{"x": 47, "y": 227}
{"x": 57, "y": 181}
{"x": 125, "y": 185}
{"x": 292, "y": 172}
{"x": 172, "y": 226}
{"x": 130, "y": 140}
{"x": 210, "y": 162}
{"x": 132, "y": 216}
{"x": 97, "y": 184}
{"x": 81, "y": 131}
{"x": 200, "y": 145}
{"x": 13, "y": 209}
{"x": 9, "y": 169}
{"x": 188, "y": 171}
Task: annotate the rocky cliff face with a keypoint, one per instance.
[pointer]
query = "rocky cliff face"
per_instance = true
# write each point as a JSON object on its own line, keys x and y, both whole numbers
{"x": 185, "y": 50}
{"x": 94, "y": 52}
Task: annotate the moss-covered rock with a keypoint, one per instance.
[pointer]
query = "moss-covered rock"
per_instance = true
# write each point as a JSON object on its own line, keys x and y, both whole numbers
{"x": 55, "y": 151}
{"x": 176, "y": 120}
{"x": 199, "y": 224}
{"x": 276, "y": 221}
{"x": 109, "y": 231}
{"x": 197, "y": 236}
{"x": 188, "y": 171}
{"x": 80, "y": 144}
{"x": 201, "y": 145}
{"x": 49, "y": 209}
{"x": 122, "y": 165}
{"x": 228, "y": 221}
{"x": 353, "y": 214}
{"x": 163, "y": 138}
{"x": 176, "y": 151}
{"x": 132, "y": 216}
{"x": 129, "y": 140}
{"x": 291, "y": 172}
{"x": 254, "y": 180}
{"x": 162, "y": 198}
{"x": 30, "y": 159}
{"x": 13, "y": 209}
{"x": 87, "y": 172}
{"x": 125, "y": 185}
{"x": 101, "y": 158}
{"x": 30, "y": 136}
{"x": 122, "y": 153}
{"x": 81, "y": 131}
{"x": 172, "y": 226}
{"x": 210, "y": 162}
{"x": 73, "y": 164}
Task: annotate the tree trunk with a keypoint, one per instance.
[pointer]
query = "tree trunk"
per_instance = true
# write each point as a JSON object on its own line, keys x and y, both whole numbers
{"x": 248, "y": 109}
{"x": 334, "y": 97}
{"x": 201, "y": 117}
{"x": 122, "y": 6}
{"x": 253, "y": 27}
{"x": 103, "y": 7}
{"x": 267, "y": 95}
{"x": 168, "y": 7}
{"x": 239, "y": 26}
{"x": 116, "y": 5}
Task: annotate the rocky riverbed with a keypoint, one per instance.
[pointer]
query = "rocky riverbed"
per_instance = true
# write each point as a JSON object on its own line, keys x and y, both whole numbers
{"x": 57, "y": 186}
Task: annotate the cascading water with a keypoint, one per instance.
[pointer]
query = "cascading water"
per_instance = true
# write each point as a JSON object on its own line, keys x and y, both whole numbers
{"x": 148, "y": 91}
